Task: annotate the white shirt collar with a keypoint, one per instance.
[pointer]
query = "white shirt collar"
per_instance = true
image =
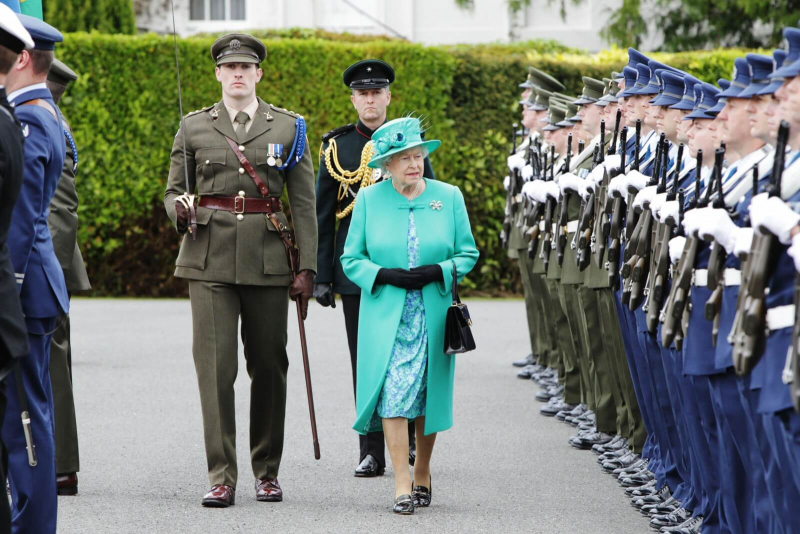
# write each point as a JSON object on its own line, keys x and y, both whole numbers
{"x": 13, "y": 96}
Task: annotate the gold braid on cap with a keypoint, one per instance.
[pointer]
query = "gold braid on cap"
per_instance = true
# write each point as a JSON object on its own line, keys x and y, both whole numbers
{"x": 362, "y": 175}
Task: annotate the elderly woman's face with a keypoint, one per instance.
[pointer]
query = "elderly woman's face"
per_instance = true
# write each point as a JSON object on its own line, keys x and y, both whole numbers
{"x": 406, "y": 167}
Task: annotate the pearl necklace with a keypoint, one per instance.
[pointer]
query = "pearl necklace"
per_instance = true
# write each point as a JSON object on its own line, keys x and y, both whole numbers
{"x": 414, "y": 194}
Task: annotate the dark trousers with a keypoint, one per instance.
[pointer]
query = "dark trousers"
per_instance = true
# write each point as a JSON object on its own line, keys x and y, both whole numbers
{"x": 34, "y": 503}
{"x": 67, "y": 457}
{"x": 5, "y": 510}
{"x": 373, "y": 442}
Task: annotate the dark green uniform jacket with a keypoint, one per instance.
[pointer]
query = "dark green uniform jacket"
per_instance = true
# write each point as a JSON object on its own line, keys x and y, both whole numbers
{"x": 63, "y": 223}
{"x": 350, "y": 141}
{"x": 247, "y": 251}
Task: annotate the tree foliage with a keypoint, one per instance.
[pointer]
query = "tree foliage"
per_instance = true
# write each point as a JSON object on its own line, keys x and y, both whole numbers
{"x": 104, "y": 16}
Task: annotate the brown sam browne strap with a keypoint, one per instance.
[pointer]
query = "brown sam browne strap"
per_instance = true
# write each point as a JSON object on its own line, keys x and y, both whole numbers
{"x": 262, "y": 187}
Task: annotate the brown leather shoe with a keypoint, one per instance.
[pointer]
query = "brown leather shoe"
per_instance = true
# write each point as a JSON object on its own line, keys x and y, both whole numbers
{"x": 220, "y": 496}
{"x": 268, "y": 490}
{"x": 67, "y": 484}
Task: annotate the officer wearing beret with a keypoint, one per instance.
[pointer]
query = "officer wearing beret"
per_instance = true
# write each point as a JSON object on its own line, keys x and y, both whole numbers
{"x": 239, "y": 155}
{"x": 14, "y": 38}
{"x": 343, "y": 171}
{"x": 63, "y": 223}
{"x": 40, "y": 280}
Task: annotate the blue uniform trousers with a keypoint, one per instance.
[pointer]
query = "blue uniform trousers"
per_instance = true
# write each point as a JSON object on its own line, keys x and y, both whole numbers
{"x": 628, "y": 329}
{"x": 665, "y": 424}
{"x": 33, "y": 489}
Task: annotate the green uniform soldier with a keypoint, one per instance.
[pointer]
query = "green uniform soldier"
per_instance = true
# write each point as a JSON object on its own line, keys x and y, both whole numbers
{"x": 63, "y": 223}
{"x": 239, "y": 155}
{"x": 343, "y": 171}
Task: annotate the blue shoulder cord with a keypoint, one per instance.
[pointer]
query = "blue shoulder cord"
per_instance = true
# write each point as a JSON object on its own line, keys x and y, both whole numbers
{"x": 298, "y": 146}
{"x": 71, "y": 142}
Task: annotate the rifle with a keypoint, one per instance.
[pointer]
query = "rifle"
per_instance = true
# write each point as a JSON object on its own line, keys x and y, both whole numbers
{"x": 736, "y": 335}
{"x": 509, "y": 218}
{"x": 585, "y": 236}
{"x": 561, "y": 243}
{"x": 540, "y": 170}
{"x": 549, "y": 208}
{"x": 641, "y": 267}
{"x": 762, "y": 256}
{"x": 716, "y": 262}
{"x": 615, "y": 224}
{"x": 630, "y": 217}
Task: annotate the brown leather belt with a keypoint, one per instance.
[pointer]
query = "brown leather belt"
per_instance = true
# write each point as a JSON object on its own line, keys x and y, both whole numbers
{"x": 239, "y": 204}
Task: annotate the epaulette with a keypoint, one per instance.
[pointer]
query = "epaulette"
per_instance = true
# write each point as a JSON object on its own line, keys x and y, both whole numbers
{"x": 336, "y": 132}
{"x": 193, "y": 113}
{"x": 284, "y": 110}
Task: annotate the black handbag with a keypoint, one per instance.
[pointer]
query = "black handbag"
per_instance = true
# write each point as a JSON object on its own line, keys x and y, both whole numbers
{"x": 457, "y": 333}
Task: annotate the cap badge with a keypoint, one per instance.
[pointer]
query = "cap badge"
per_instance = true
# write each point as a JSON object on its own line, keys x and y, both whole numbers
{"x": 235, "y": 44}
{"x": 369, "y": 69}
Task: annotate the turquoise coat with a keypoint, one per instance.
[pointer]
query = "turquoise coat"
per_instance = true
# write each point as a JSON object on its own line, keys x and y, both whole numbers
{"x": 378, "y": 238}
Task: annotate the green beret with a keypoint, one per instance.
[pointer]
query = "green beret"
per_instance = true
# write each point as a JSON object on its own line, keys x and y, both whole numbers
{"x": 238, "y": 48}
{"x": 61, "y": 74}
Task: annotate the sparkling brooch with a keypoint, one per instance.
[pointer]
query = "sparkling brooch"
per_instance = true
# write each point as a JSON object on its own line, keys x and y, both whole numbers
{"x": 436, "y": 205}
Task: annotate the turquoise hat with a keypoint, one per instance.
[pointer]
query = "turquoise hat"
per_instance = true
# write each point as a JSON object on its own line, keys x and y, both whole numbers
{"x": 397, "y": 136}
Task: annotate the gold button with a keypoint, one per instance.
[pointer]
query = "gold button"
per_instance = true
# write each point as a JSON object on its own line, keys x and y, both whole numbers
{"x": 240, "y": 217}
{"x": 241, "y": 170}
{"x": 207, "y": 162}
{"x": 241, "y": 193}
{"x": 241, "y": 147}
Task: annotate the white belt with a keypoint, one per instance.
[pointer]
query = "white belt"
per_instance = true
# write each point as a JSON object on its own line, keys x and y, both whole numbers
{"x": 518, "y": 198}
{"x": 732, "y": 277}
{"x": 541, "y": 226}
{"x": 780, "y": 317}
{"x": 572, "y": 227}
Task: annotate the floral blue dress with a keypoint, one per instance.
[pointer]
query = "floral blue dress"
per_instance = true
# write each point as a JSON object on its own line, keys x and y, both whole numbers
{"x": 405, "y": 387}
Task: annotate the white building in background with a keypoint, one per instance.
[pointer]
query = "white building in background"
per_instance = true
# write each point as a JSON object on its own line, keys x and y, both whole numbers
{"x": 422, "y": 21}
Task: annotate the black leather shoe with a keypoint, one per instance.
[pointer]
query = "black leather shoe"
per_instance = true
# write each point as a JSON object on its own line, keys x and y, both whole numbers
{"x": 421, "y": 494}
{"x": 530, "y": 359}
{"x": 369, "y": 468}
{"x": 404, "y": 505}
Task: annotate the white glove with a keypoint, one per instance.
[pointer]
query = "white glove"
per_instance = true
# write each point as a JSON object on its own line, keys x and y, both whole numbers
{"x": 668, "y": 210}
{"x": 718, "y": 224}
{"x": 506, "y": 182}
{"x": 656, "y": 203}
{"x": 552, "y": 190}
{"x": 637, "y": 180}
{"x": 515, "y": 162}
{"x": 535, "y": 190}
{"x": 612, "y": 162}
{"x": 694, "y": 219}
{"x": 744, "y": 241}
{"x": 569, "y": 182}
{"x": 773, "y": 214}
{"x": 527, "y": 172}
{"x": 597, "y": 174}
{"x": 618, "y": 186}
{"x": 583, "y": 190}
{"x": 676, "y": 245}
{"x": 794, "y": 251}
{"x": 645, "y": 196}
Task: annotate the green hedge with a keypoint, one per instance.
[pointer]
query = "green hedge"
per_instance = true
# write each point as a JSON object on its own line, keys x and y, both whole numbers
{"x": 123, "y": 110}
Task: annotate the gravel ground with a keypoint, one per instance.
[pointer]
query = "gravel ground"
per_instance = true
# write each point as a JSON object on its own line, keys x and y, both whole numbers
{"x": 502, "y": 468}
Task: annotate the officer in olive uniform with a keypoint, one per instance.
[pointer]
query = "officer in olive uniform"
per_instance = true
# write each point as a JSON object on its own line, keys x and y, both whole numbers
{"x": 63, "y": 223}
{"x": 239, "y": 154}
{"x": 343, "y": 170}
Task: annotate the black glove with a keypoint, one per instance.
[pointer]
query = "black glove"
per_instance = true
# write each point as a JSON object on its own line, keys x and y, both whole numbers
{"x": 181, "y": 216}
{"x": 416, "y": 278}
{"x": 324, "y": 295}
{"x": 428, "y": 274}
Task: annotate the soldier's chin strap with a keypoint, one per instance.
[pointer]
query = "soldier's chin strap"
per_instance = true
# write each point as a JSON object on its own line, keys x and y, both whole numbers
{"x": 187, "y": 199}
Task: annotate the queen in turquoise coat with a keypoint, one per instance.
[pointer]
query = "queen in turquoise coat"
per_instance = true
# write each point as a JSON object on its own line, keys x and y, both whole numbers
{"x": 404, "y": 239}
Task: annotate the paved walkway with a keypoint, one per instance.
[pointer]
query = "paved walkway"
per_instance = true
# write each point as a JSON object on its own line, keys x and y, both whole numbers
{"x": 502, "y": 468}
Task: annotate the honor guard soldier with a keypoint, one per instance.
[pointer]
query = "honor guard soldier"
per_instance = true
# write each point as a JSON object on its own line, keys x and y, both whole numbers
{"x": 343, "y": 171}
{"x": 63, "y": 223}
{"x": 238, "y": 155}
{"x": 43, "y": 294}
{"x": 14, "y": 38}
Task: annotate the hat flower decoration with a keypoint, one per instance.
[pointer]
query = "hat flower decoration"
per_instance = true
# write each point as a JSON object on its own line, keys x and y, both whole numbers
{"x": 397, "y": 136}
